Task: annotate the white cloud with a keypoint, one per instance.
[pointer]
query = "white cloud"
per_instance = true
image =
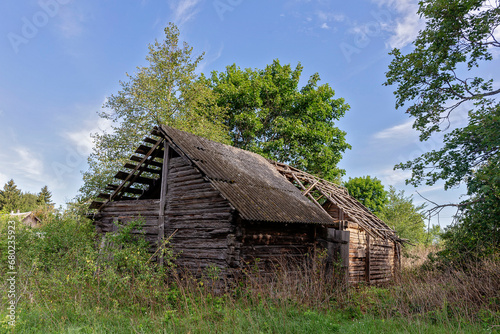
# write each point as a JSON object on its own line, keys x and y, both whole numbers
{"x": 28, "y": 162}
{"x": 402, "y": 131}
{"x": 430, "y": 189}
{"x": 81, "y": 138}
{"x": 209, "y": 58}
{"x": 326, "y": 17}
{"x": 71, "y": 21}
{"x": 3, "y": 179}
{"x": 184, "y": 10}
{"x": 406, "y": 26}
{"x": 388, "y": 176}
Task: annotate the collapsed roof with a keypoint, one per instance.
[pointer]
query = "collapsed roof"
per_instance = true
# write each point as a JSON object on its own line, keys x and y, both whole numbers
{"x": 259, "y": 189}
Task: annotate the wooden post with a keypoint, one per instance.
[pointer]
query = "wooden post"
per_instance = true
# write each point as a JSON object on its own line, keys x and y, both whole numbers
{"x": 338, "y": 248}
{"x": 367, "y": 259}
{"x": 163, "y": 199}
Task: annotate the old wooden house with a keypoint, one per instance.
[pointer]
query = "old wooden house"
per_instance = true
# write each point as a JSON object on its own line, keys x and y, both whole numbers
{"x": 229, "y": 207}
{"x": 27, "y": 218}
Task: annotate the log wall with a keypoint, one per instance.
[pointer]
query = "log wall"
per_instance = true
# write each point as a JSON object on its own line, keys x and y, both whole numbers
{"x": 371, "y": 260}
{"x": 123, "y": 212}
{"x": 262, "y": 244}
{"x": 201, "y": 217}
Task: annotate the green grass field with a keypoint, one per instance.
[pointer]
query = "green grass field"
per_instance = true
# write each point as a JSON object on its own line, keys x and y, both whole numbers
{"x": 64, "y": 284}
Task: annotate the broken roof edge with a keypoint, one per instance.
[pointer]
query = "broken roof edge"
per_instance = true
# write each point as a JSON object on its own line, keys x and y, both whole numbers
{"x": 382, "y": 226}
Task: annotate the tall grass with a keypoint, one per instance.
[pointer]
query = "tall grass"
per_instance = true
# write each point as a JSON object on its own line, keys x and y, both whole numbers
{"x": 70, "y": 281}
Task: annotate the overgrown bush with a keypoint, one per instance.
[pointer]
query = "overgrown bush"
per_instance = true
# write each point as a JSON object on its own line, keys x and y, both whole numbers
{"x": 70, "y": 280}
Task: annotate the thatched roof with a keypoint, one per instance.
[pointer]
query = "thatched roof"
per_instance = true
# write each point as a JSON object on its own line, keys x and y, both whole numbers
{"x": 258, "y": 189}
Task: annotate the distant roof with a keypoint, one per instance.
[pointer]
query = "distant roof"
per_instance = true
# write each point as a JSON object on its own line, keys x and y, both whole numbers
{"x": 23, "y": 215}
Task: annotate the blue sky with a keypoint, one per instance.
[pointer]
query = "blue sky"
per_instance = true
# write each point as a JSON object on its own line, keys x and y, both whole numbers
{"x": 60, "y": 59}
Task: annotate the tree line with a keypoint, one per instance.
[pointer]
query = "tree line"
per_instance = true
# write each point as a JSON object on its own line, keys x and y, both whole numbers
{"x": 13, "y": 199}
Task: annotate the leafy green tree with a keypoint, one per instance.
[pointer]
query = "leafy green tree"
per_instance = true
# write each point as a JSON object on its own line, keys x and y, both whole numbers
{"x": 439, "y": 76}
{"x": 476, "y": 232}
{"x": 401, "y": 214}
{"x": 10, "y": 197}
{"x": 368, "y": 191}
{"x": 29, "y": 202}
{"x": 44, "y": 197}
{"x": 164, "y": 92}
{"x": 268, "y": 113}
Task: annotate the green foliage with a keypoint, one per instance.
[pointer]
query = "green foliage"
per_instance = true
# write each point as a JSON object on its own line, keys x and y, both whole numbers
{"x": 13, "y": 199}
{"x": 269, "y": 114}
{"x": 10, "y": 197}
{"x": 368, "y": 191}
{"x": 167, "y": 91}
{"x": 68, "y": 282}
{"x": 457, "y": 38}
{"x": 263, "y": 111}
{"x": 436, "y": 78}
{"x": 407, "y": 219}
{"x": 44, "y": 197}
{"x": 475, "y": 235}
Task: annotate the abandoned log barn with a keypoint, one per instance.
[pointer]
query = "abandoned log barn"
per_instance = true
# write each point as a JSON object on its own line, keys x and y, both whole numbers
{"x": 229, "y": 207}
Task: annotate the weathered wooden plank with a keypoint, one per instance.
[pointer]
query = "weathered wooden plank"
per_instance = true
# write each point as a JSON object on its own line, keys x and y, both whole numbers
{"x": 179, "y": 173}
{"x": 144, "y": 169}
{"x": 200, "y": 214}
{"x": 139, "y": 179}
{"x": 148, "y": 162}
{"x": 196, "y": 207}
{"x": 141, "y": 202}
{"x": 125, "y": 190}
{"x": 95, "y": 205}
{"x": 163, "y": 217}
{"x": 144, "y": 149}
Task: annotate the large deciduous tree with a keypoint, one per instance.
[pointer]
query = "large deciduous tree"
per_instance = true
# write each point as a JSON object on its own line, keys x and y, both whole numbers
{"x": 405, "y": 217}
{"x": 167, "y": 91}
{"x": 441, "y": 76}
{"x": 264, "y": 111}
{"x": 268, "y": 113}
{"x": 368, "y": 191}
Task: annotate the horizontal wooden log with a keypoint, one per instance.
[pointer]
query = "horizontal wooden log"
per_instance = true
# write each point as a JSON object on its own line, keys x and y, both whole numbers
{"x": 180, "y": 173}
{"x": 198, "y": 213}
{"x": 137, "y": 203}
{"x": 203, "y": 233}
{"x": 199, "y": 253}
{"x": 198, "y": 243}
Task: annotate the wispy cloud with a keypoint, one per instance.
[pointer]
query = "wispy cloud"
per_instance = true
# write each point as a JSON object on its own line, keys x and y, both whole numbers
{"x": 406, "y": 26}
{"x": 81, "y": 138}
{"x": 402, "y": 131}
{"x": 71, "y": 21}
{"x": 388, "y": 176}
{"x": 209, "y": 58}
{"x": 330, "y": 16}
{"x": 3, "y": 179}
{"x": 184, "y": 10}
{"x": 29, "y": 162}
{"x": 327, "y": 18}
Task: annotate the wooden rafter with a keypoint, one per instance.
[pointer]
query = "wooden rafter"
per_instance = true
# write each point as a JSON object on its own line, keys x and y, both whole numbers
{"x": 351, "y": 208}
{"x": 132, "y": 176}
